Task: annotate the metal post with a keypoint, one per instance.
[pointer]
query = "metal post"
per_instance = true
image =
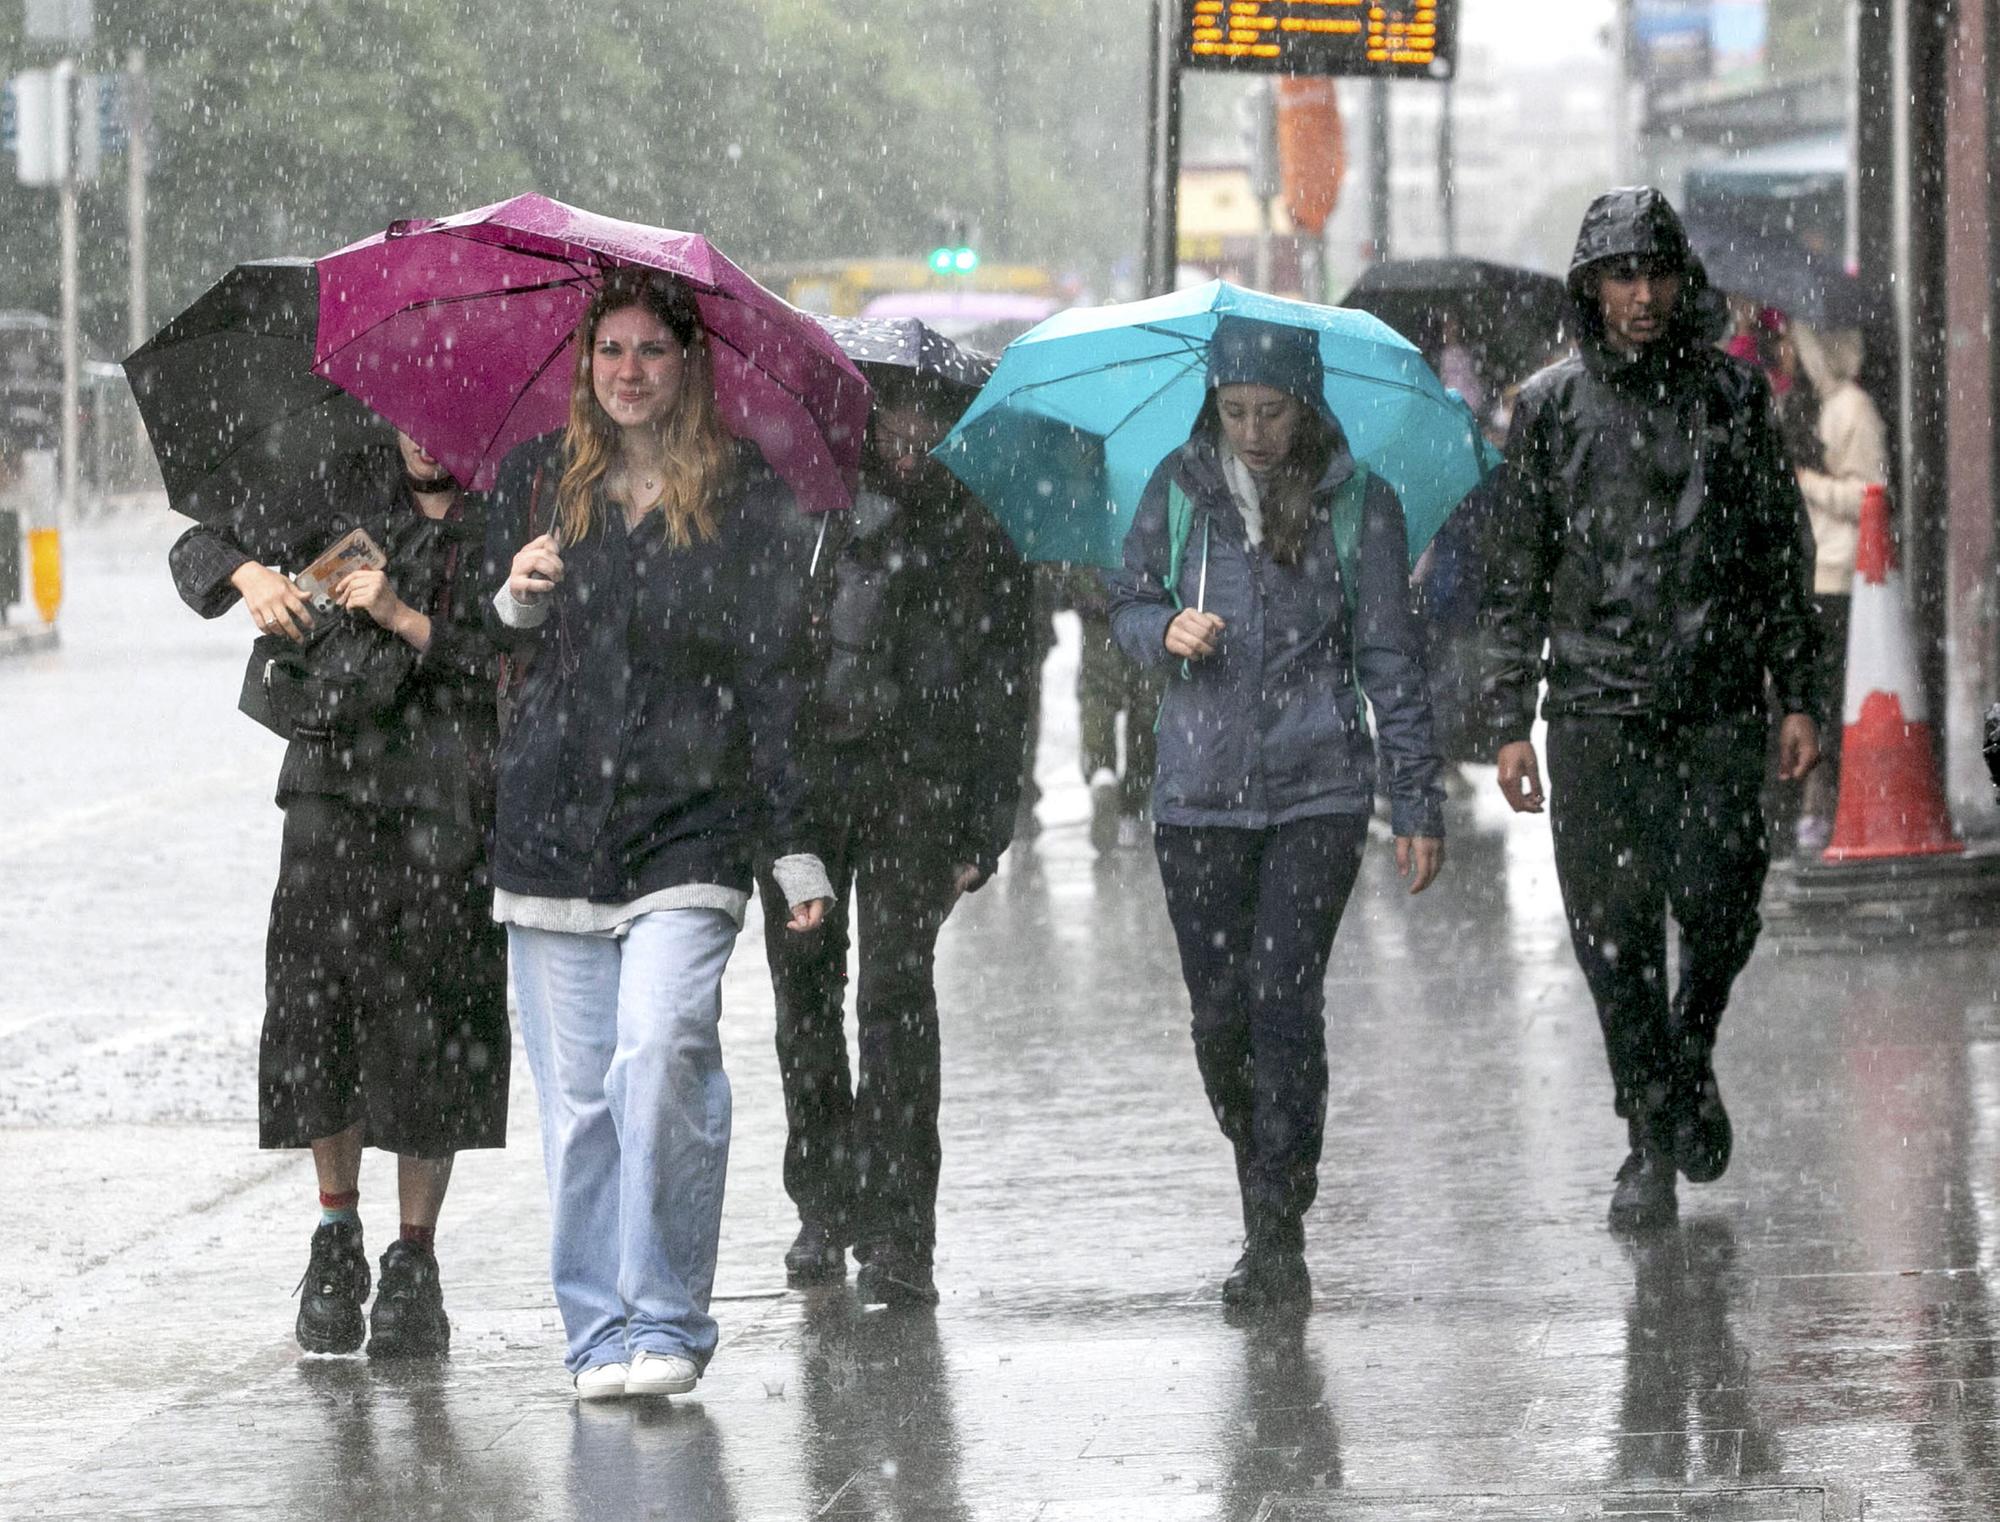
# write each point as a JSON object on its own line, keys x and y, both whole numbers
{"x": 1378, "y": 168}
{"x": 1149, "y": 257}
{"x": 138, "y": 120}
{"x": 1447, "y": 172}
{"x": 1170, "y": 154}
{"x": 65, "y": 147}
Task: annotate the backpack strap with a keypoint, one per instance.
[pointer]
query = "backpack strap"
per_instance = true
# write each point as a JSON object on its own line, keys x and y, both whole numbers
{"x": 1180, "y": 526}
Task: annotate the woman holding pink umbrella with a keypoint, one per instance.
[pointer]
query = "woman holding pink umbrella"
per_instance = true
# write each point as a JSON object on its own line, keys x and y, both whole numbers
{"x": 656, "y": 596}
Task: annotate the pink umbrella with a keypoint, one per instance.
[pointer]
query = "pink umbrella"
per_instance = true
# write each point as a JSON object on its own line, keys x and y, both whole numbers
{"x": 460, "y": 331}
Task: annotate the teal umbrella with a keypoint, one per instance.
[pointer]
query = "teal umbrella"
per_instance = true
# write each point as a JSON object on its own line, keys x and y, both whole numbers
{"x": 1062, "y": 440}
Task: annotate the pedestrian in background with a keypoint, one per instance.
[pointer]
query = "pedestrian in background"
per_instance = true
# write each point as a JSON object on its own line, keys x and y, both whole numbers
{"x": 657, "y": 597}
{"x": 1653, "y": 539}
{"x": 385, "y": 1018}
{"x": 1234, "y": 587}
{"x": 916, "y": 777}
{"x": 1850, "y": 452}
{"x": 1114, "y": 694}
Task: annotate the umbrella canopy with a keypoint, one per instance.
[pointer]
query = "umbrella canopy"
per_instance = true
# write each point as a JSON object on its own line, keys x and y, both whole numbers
{"x": 235, "y": 414}
{"x": 907, "y": 344}
{"x": 1512, "y": 318}
{"x": 1080, "y": 411}
{"x": 461, "y": 332}
{"x": 1781, "y": 273}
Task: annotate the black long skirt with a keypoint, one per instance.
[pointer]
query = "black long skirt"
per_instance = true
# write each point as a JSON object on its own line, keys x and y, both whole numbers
{"x": 385, "y": 985}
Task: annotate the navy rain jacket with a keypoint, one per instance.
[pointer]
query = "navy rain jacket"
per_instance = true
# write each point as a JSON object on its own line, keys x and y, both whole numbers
{"x": 653, "y": 742}
{"x": 1269, "y": 729}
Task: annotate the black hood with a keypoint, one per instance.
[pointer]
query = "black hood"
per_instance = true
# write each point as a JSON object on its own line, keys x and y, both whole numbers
{"x": 1639, "y": 220}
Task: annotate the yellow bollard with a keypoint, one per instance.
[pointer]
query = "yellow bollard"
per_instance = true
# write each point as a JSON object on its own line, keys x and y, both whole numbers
{"x": 45, "y": 570}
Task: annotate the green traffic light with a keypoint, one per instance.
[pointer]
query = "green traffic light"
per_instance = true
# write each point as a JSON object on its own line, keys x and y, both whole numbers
{"x": 965, "y": 261}
{"x": 941, "y": 260}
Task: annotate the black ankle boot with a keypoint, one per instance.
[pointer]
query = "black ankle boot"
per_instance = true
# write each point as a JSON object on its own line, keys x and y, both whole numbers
{"x": 817, "y": 1256}
{"x": 408, "y": 1319}
{"x": 1702, "y": 1137}
{"x": 1267, "y": 1277}
{"x": 333, "y": 1290}
{"x": 1643, "y": 1198}
{"x": 893, "y": 1276}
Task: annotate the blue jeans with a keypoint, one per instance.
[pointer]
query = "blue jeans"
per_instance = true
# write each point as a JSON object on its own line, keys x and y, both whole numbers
{"x": 623, "y": 1037}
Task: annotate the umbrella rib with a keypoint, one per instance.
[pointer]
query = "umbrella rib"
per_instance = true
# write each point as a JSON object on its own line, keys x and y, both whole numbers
{"x": 446, "y": 301}
{"x": 515, "y": 403}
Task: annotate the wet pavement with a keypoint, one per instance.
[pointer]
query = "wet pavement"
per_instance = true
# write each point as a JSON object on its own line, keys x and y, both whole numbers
{"x": 1816, "y": 1340}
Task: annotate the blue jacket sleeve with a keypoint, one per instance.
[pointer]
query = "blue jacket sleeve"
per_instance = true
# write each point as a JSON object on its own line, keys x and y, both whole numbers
{"x": 1388, "y": 661}
{"x": 1140, "y": 606}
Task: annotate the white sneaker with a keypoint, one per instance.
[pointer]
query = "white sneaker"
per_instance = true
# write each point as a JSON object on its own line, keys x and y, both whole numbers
{"x": 660, "y": 1374}
{"x": 604, "y": 1381}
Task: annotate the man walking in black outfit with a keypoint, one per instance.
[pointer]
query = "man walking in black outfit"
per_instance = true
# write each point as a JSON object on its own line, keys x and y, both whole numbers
{"x": 917, "y": 771}
{"x": 1653, "y": 537}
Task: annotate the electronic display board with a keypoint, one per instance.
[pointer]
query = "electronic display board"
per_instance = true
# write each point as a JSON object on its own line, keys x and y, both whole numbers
{"x": 1395, "y": 39}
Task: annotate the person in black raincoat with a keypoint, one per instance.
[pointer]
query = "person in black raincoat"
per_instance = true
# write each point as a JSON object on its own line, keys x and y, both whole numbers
{"x": 919, "y": 732}
{"x": 656, "y": 597}
{"x": 385, "y": 1020}
{"x": 1652, "y": 537}
{"x": 1266, "y": 777}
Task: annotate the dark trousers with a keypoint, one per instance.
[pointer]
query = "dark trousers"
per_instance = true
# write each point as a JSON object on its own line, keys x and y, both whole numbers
{"x": 862, "y": 1155}
{"x": 1254, "y": 912}
{"x": 1651, "y": 820}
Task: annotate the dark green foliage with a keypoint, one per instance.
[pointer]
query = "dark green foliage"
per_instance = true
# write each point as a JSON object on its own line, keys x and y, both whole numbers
{"x": 784, "y": 128}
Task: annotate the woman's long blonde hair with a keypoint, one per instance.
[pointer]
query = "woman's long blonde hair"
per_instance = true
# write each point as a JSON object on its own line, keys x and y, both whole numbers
{"x": 698, "y": 451}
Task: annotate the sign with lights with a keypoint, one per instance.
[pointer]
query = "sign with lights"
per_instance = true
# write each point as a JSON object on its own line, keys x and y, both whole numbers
{"x": 1393, "y": 39}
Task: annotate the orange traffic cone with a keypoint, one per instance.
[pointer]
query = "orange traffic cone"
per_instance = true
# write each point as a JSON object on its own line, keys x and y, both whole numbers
{"x": 1891, "y": 802}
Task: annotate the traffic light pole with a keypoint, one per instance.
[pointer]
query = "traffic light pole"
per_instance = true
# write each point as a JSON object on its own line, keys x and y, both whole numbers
{"x": 72, "y": 399}
{"x": 1163, "y": 150}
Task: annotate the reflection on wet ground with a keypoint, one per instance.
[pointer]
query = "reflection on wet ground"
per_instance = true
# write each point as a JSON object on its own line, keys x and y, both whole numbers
{"x": 1815, "y": 1339}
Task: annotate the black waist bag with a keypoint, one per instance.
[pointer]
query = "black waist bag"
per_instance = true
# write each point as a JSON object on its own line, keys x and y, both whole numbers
{"x": 339, "y": 683}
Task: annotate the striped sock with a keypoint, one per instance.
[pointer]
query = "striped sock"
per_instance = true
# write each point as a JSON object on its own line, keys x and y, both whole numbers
{"x": 340, "y": 1207}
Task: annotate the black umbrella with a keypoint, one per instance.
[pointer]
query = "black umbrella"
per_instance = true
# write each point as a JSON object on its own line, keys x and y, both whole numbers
{"x": 1781, "y": 273}
{"x": 1513, "y": 319}
{"x": 904, "y": 343}
{"x": 239, "y": 422}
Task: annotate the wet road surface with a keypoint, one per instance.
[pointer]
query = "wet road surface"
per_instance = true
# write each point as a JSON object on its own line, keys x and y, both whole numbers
{"x": 1815, "y": 1340}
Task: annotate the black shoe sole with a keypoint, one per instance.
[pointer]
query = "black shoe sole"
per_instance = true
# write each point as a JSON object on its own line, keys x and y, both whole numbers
{"x": 1645, "y": 1218}
{"x": 808, "y": 1275}
{"x": 344, "y": 1336}
{"x": 410, "y": 1345}
{"x": 879, "y": 1289}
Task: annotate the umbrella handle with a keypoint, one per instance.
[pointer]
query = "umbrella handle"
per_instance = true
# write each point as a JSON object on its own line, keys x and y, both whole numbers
{"x": 1201, "y": 585}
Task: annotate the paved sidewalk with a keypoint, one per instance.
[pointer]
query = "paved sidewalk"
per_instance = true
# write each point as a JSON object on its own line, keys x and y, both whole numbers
{"x": 1816, "y": 1340}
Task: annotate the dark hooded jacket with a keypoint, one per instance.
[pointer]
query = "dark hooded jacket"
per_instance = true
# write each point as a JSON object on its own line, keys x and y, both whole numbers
{"x": 1270, "y": 729}
{"x": 1651, "y": 534}
{"x": 928, "y": 676}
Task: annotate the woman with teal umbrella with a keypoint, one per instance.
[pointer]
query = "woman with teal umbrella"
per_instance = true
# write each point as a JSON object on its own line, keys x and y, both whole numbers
{"x": 1268, "y": 570}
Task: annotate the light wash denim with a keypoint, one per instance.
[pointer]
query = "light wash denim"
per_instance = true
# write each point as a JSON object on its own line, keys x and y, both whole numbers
{"x": 623, "y": 1037}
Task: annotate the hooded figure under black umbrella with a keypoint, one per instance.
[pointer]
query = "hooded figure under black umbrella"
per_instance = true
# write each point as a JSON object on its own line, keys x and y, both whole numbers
{"x": 1652, "y": 537}
{"x": 916, "y": 742}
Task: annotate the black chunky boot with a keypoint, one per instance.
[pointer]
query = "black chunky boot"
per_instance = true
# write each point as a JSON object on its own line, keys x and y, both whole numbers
{"x": 408, "y": 1319}
{"x": 333, "y": 1290}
